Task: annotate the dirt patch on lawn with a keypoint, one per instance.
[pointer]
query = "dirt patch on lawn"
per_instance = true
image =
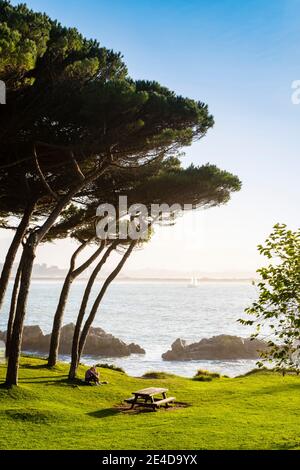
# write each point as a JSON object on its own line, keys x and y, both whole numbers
{"x": 124, "y": 408}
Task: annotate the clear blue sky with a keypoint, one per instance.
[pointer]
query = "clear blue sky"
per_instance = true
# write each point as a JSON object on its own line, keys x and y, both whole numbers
{"x": 241, "y": 58}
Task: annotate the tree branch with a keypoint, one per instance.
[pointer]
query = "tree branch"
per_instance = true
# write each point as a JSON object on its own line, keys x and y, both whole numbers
{"x": 76, "y": 167}
{"x": 42, "y": 177}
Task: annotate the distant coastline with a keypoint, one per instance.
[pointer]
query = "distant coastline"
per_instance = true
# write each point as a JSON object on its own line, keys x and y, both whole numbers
{"x": 43, "y": 272}
{"x": 149, "y": 279}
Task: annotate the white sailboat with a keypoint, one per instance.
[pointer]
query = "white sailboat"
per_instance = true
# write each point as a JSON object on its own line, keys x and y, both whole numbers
{"x": 194, "y": 282}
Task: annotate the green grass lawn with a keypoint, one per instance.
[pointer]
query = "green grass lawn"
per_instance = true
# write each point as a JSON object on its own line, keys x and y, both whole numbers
{"x": 258, "y": 411}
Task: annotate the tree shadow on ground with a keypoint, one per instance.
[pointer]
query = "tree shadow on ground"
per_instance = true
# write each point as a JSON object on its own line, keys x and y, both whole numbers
{"x": 4, "y": 386}
{"x": 61, "y": 380}
{"x": 35, "y": 366}
{"x": 44, "y": 379}
{"x": 289, "y": 446}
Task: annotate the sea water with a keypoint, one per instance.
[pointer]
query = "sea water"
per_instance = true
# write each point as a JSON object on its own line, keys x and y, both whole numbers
{"x": 153, "y": 315}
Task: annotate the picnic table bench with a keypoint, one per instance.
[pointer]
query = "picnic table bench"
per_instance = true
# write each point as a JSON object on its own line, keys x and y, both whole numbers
{"x": 146, "y": 398}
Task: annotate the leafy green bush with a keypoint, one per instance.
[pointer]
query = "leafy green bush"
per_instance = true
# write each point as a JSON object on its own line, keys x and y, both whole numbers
{"x": 203, "y": 378}
{"x": 111, "y": 367}
{"x": 206, "y": 373}
{"x": 278, "y": 304}
{"x": 157, "y": 375}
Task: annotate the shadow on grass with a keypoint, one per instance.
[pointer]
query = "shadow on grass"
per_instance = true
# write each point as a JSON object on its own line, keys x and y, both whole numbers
{"x": 120, "y": 409}
{"x": 4, "y": 386}
{"x": 106, "y": 413}
{"x": 124, "y": 409}
{"x": 59, "y": 382}
{"x": 28, "y": 365}
{"x": 44, "y": 380}
{"x": 292, "y": 446}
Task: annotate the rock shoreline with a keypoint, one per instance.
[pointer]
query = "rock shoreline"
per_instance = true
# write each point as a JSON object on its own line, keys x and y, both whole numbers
{"x": 101, "y": 344}
{"x": 98, "y": 343}
{"x": 222, "y": 347}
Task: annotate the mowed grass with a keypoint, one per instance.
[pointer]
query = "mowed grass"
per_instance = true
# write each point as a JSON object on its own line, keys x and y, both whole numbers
{"x": 258, "y": 411}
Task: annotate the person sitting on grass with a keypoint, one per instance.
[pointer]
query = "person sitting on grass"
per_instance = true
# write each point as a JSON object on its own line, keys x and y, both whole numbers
{"x": 92, "y": 376}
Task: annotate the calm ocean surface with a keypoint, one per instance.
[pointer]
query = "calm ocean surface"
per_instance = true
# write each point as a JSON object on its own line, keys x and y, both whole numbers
{"x": 154, "y": 315}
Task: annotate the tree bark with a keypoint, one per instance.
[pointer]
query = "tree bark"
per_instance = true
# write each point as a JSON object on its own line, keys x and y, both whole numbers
{"x": 13, "y": 249}
{"x": 93, "y": 312}
{"x": 17, "y": 331}
{"x": 58, "y": 317}
{"x": 12, "y": 310}
{"x": 85, "y": 299}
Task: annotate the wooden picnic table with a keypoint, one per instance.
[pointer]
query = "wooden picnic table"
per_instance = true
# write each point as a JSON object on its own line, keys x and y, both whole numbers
{"x": 146, "y": 398}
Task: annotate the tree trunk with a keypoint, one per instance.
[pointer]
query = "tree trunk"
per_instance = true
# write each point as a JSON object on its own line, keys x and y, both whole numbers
{"x": 12, "y": 310}
{"x": 85, "y": 299}
{"x": 93, "y": 312}
{"x": 17, "y": 331}
{"x": 13, "y": 249}
{"x": 57, "y": 322}
{"x": 28, "y": 256}
{"x": 58, "y": 318}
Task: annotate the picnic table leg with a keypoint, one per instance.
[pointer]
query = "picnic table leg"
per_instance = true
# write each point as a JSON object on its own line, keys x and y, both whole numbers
{"x": 164, "y": 394}
{"x": 154, "y": 407}
{"x": 133, "y": 403}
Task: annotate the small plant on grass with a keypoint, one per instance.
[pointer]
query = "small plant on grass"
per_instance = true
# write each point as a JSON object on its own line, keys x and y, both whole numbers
{"x": 157, "y": 375}
{"x": 111, "y": 367}
{"x": 206, "y": 376}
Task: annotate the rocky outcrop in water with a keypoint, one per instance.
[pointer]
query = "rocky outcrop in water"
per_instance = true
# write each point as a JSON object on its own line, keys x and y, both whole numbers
{"x": 222, "y": 347}
{"x": 98, "y": 343}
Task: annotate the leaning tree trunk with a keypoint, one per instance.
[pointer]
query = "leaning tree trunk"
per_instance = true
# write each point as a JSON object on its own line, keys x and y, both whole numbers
{"x": 28, "y": 256}
{"x": 17, "y": 331}
{"x": 85, "y": 299}
{"x": 93, "y": 312}
{"x": 13, "y": 249}
{"x": 58, "y": 318}
{"x": 57, "y": 322}
{"x": 12, "y": 310}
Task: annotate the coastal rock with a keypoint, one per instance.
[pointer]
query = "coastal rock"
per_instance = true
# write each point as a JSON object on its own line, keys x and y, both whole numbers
{"x": 98, "y": 343}
{"x": 136, "y": 349}
{"x": 178, "y": 346}
{"x": 222, "y": 347}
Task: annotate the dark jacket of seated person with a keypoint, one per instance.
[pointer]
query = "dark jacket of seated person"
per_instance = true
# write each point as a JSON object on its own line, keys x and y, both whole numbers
{"x": 92, "y": 376}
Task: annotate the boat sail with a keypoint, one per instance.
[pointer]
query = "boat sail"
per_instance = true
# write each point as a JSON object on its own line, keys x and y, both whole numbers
{"x": 194, "y": 282}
